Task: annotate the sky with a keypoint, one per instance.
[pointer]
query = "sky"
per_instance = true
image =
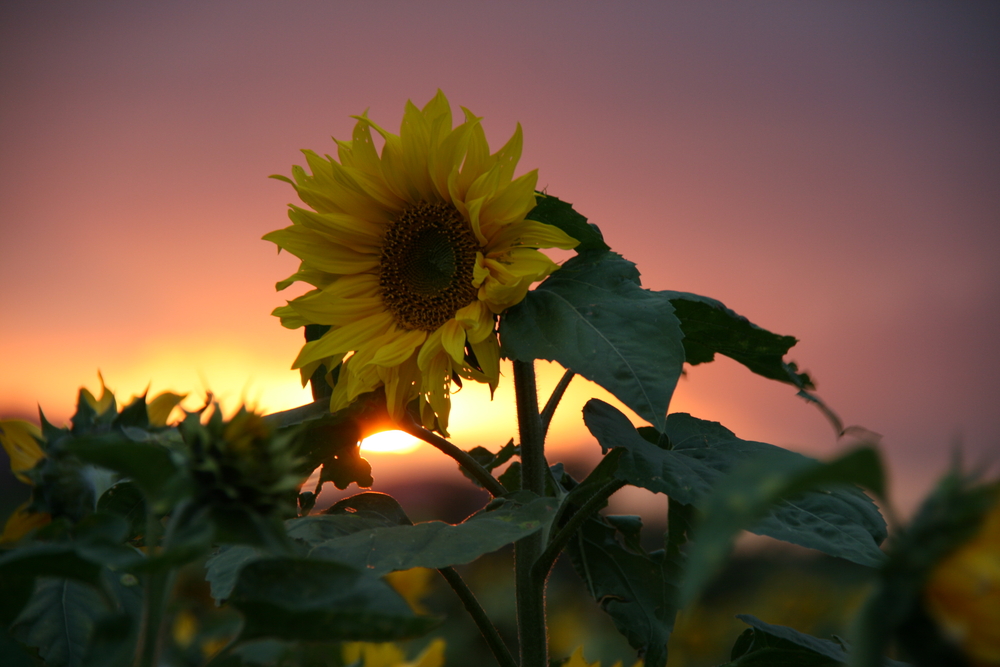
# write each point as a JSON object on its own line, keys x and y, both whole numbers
{"x": 829, "y": 170}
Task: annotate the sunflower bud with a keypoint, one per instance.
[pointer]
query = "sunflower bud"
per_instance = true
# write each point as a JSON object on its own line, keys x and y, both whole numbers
{"x": 243, "y": 462}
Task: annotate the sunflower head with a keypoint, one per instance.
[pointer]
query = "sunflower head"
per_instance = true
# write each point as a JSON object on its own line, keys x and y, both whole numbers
{"x": 412, "y": 252}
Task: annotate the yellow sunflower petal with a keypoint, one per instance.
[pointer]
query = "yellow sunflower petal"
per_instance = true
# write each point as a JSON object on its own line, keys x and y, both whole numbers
{"x": 443, "y": 158}
{"x": 412, "y": 585}
{"x": 473, "y": 207}
{"x": 320, "y": 252}
{"x": 355, "y": 233}
{"x": 477, "y": 161}
{"x": 401, "y": 385}
{"x": 488, "y": 355}
{"x": 431, "y": 347}
{"x": 331, "y": 184}
{"x": 22, "y": 522}
{"x": 436, "y": 381}
{"x": 290, "y": 318}
{"x": 158, "y": 410}
{"x": 432, "y": 656}
{"x": 438, "y": 110}
{"x": 415, "y": 137}
{"x": 396, "y": 346}
{"x": 453, "y": 340}
{"x": 531, "y": 234}
{"x": 319, "y": 308}
{"x": 477, "y": 320}
{"x": 351, "y": 383}
{"x": 513, "y": 202}
{"x": 508, "y": 156}
{"x": 307, "y": 275}
{"x": 20, "y": 440}
{"x": 342, "y": 340}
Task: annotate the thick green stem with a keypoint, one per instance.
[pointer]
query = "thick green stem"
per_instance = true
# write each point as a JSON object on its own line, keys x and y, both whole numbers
{"x": 530, "y": 592}
{"x": 483, "y": 622}
{"x": 470, "y": 464}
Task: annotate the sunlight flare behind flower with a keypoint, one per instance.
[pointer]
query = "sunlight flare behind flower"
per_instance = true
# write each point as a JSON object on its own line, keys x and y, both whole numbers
{"x": 412, "y": 254}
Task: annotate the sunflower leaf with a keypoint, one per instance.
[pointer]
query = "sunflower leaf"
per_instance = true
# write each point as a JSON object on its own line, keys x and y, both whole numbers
{"x": 436, "y": 544}
{"x": 313, "y": 600}
{"x": 594, "y": 319}
{"x": 634, "y": 588}
{"x": 841, "y": 521}
{"x": 709, "y": 328}
{"x": 558, "y": 213}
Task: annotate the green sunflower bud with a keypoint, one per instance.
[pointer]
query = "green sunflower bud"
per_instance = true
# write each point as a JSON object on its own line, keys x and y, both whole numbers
{"x": 243, "y": 461}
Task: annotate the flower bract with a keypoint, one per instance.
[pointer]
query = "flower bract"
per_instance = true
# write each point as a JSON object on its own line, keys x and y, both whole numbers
{"x": 412, "y": 253}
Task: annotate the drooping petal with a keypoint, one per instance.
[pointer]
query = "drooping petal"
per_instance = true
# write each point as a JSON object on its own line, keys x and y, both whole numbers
{"x": 487, "y": 353}
{"x": 402, "y": 385}
{"x": 453, "y": 340}
{"x": 436, "y": 387}
{"x": 20, "y": 439}
{"x": 477, "y": 320}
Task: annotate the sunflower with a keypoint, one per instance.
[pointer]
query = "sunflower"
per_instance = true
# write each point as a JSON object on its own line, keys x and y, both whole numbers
{"x": 412, "y": 253}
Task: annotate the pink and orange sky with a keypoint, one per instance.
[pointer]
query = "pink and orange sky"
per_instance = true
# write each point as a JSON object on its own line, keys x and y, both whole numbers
{"x": 830, "y": 170}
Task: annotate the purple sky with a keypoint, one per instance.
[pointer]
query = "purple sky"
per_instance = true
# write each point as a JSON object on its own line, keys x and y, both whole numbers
{"x": 829, "y": 170}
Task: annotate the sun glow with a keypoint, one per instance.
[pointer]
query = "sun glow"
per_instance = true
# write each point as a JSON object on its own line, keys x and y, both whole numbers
{"x": 390, "y": 442}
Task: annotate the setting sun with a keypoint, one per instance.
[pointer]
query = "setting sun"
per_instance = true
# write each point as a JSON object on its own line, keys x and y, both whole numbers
{"x": 390, "y": 442}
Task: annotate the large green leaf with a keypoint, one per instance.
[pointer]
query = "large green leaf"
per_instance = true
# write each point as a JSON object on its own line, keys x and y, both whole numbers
{"x": 767, "y": 645}
{"x": 593, "y": 318}
{"x": 553, "y": 211}
{"x": 313, "y": 600}
{"x": 59, "y": 620}
{"x": 359, "y": 512}
{"x": 841, "y": 521}
{"x": 773, "y": 482}
{"x": 635, "y": 588}
{"x": 62, "y": 614}
{"x": 436, "y": 544}
{"x": 709, "y": 328}
{"x": 20, "y": 568}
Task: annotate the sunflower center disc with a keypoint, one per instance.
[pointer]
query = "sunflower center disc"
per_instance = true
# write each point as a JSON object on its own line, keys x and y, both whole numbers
{"x": 426, "y": 267}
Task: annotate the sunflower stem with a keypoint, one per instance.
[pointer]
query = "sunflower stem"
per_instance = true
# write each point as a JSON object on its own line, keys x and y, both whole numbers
{"x": 530, "y": 591}
{"x": 470, "y": 464}
{"x": 158, "y": 586}
{"x": 483, "y": 622}
{"x": 548, "y": 558}
{"x": 553, "y": 402}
